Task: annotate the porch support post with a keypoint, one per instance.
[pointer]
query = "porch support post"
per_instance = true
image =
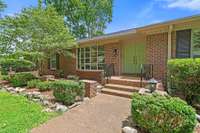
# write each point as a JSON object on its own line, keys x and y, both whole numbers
{"x": 170, "y": 42}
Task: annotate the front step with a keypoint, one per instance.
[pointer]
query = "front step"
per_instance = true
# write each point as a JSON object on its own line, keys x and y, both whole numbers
{"x": 127, "y": 82}
{"x": 117, "y": 92}
{"x": 122, "y": 87}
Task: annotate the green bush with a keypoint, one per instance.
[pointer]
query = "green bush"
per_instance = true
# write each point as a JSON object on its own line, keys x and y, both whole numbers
{"x": 44, "y": 86}
{"x": 33, "y": 83}
{"x": 5, "y": 77}
{"x": 21, "y": 79}
{"x": 30, "y": 56}
{"x": 184, "y": 78}
{"x": 65, "y": 91}
{"x": 18, "y": 65}
{"x": 162, "y": 114}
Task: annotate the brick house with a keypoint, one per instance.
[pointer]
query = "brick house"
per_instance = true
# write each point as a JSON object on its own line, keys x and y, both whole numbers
{"x": 128, "y": 49}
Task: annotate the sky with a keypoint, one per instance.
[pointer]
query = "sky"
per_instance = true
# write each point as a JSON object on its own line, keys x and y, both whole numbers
{"x": 131, "y": 13}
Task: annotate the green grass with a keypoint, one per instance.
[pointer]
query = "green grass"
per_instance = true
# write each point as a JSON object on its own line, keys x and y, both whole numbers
{"x": 19, "y": 115}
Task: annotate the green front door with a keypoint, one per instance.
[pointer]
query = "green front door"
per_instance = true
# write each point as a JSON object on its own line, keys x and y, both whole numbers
{"x": 133, "y": 55}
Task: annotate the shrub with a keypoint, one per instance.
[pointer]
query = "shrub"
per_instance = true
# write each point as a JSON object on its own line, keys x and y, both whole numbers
{"x": 44, "y": 86}
{"x": 5, "y": 77}
{"x": 17, "y": 65}
{"x": 33, "y": 83}
{"x": 184, "y": 77}
{"x": 162, "y": 114}
{"x": 21, "y": 79}
{"x": 66, "y": 91}
{"x": 60, "y": 73}
{"x": 30, "y": 56}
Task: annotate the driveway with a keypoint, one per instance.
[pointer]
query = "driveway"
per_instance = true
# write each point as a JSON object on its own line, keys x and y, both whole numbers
{"x": 102, "y": 114}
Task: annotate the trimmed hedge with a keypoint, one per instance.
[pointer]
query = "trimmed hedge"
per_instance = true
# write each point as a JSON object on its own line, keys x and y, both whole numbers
{"x": 65, "y": 91}
{"x": 33, "y": 83}
{"x": 184, "y": 78}
{"x": 44, "y": 86}
{"x": 162, "y": 114}
{"x": 16, "y": 65}
{"x": 21, "y": 79}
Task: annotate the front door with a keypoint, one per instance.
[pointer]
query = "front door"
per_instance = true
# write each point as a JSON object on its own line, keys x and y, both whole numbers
{"x": 133, "y": 55}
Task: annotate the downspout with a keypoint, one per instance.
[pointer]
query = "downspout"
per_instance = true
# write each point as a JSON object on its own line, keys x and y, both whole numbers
{"x": 170, "y": 42}
{"x": 169, "y": 53}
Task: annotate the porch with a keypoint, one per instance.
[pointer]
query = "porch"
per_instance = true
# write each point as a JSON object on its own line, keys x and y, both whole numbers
{"x": 123, "y": 85}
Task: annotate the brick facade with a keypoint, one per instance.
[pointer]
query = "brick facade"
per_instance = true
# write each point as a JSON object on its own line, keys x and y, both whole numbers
{"x": 91, "y": 75}
{"x": 111, "y": 58}
{"x": 68, "y": 64}
{"x": 156, "y": 54}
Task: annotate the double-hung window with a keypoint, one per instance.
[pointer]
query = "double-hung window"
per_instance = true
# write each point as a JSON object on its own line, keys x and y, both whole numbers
{"x": 91, "y": 58}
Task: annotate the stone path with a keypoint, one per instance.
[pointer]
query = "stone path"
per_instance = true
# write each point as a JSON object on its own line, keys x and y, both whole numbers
{"x": 102, "y": 114}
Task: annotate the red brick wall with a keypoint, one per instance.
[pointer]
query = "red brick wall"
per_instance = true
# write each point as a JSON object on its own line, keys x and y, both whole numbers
{"x": 156, "y": 54}
{"x": 68, "y": 64}
{"x": 44, "y": 69}
{"x": 111, "y": 58}
{"x": 91, "y": 75}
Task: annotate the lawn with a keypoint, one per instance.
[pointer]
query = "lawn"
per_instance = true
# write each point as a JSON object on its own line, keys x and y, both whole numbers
{"x": 19, "y": 115}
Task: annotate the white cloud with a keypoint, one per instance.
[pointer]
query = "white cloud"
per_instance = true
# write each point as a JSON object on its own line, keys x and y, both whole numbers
{"x": 184, "y": 4}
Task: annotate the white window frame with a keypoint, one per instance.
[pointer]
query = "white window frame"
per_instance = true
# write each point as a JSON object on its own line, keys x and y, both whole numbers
{"x": 78, "y": 59}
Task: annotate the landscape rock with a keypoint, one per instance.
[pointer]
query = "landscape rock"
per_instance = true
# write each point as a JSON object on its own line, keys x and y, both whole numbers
{"x": 61, "y": 108}
{"x": 144, "y": 91}
{"x": 198, "y": 117}
{"x": 10, "y": 88}
{"x": 45, "y": 103}
{"x": 129, "y": 130}
{"x": 36, "y": 100}
{"x": 47, "y": 110}
{"x": 43, "y": 99}
{"x": 79, "y": 98}
{"x": 86, "y": 99}
{"x": 74, "y": 105}
{"x": 19, "y": 90}
{"x": 52, "y": 106}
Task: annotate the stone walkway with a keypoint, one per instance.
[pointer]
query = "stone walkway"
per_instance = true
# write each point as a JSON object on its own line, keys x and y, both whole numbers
{"x": 102, "y": 114}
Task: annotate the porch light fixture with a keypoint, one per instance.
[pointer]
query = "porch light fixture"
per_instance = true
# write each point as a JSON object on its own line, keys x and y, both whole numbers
{"x": 152, "y": 84}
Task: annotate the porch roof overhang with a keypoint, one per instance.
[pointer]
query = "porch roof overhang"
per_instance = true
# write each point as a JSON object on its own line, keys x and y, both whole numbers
{"x": 164, "y": 27}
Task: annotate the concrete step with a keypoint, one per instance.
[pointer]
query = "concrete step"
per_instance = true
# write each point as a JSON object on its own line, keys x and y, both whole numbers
{"x": 122, "y": 87}
{"x": 117, "y": 92}
{"x": 127, "y": 82}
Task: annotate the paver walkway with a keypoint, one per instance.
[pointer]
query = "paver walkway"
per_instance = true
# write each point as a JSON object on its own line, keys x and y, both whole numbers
{"x": 102, "y": 114}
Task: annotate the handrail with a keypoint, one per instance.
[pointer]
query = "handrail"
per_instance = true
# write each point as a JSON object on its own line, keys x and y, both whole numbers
{"x": 108, "y": 71}
{"x": 146, "y": 72}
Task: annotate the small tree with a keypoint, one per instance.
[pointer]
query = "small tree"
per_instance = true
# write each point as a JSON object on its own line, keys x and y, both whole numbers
{"x": 35, "y": 30}
{"x": 85, "y": 18}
